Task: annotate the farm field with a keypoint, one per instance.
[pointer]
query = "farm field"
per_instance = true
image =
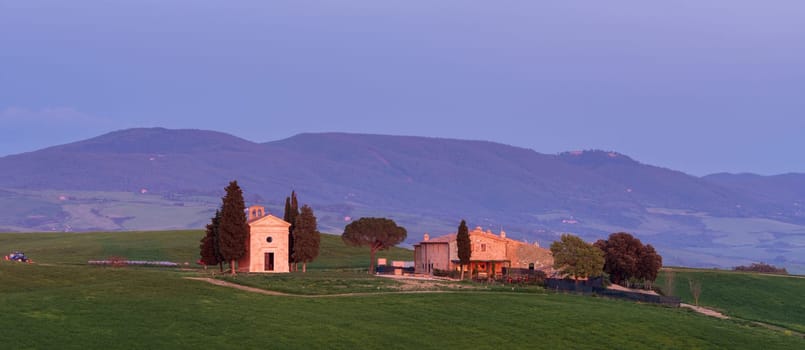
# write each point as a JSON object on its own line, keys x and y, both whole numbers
{"x": 774, "y": 299}
{"x": 59, "y": 303}
{"x": 176, "y": 246}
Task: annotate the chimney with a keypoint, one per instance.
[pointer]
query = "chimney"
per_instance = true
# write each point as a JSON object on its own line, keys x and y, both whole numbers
{"x": 427, "y": 237}
{"x": 502, "y": 234}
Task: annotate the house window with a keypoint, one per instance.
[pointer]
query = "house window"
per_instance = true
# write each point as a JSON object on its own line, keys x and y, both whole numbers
{"x": 269, "y": 239}
{"x": 483, "y": 247}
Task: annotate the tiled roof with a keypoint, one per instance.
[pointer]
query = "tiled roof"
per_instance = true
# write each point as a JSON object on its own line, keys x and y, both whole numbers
{"x": 452, "y": 237}
{"x": 442, "y": 239}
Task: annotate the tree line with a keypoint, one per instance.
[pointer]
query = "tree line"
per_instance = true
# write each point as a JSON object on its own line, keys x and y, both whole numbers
{"x": 762, "y": 268}
{"x": 622, "y": 258}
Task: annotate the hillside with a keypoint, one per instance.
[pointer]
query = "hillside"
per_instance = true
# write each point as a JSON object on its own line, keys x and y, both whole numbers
{"x": 173, "y": 179}
{"x": 773, "y": 299}
{"x": 91, "y": 307}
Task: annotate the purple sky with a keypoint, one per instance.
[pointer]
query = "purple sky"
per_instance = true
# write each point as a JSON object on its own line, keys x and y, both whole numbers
{"x": 695, "y": 85}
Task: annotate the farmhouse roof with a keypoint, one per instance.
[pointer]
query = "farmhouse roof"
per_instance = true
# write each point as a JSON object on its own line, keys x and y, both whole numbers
{"x": 476, "y": 232}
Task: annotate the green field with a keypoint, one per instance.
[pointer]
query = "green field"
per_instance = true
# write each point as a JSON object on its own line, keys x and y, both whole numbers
{"x": 772, "y": 299}
{"x": 176, "y": 246}
{"x": 61, "y": 304}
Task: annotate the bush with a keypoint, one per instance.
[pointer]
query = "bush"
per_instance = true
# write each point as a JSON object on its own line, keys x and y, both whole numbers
{"x": 524, "y": 276}
{"x": 447, "y": 273}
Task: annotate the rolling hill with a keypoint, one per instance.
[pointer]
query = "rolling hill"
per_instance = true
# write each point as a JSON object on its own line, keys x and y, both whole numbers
{"x": 59, "y": 302}
{"x": 172, "y": 179}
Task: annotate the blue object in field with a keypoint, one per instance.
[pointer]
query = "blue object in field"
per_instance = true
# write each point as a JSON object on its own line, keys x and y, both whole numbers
{"x": 18, "y": 256}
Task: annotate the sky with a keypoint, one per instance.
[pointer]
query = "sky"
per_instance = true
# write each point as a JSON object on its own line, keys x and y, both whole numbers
{"x": 701, "y": 86}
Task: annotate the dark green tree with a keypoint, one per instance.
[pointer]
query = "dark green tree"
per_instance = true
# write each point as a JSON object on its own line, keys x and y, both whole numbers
{"x": 307, "y": 237}
{"x": 627, "y": 258}
{"x": 291, "y": 212}
{"x": 575, "y": 257}
{"x": 376, "y": 233}
{"x": 287, "y": 217}
{"x": 649, "y": 265}
{"x": 210, "y": 247}
{"x": 233, "y": 230}
{"x": 287, "y": 209}
{"x": 463, "y": 245}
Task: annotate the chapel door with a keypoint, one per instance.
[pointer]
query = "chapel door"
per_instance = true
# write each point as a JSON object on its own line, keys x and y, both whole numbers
{"x": 269, "y": 259}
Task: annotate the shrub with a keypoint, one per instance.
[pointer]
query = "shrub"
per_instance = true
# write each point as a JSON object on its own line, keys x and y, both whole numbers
{"x": 761, "y": 267}
{"x": 447, "y": 273}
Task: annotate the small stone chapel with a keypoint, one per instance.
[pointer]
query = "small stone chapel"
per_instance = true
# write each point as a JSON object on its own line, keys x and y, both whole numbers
{"x": 267, "y": 246}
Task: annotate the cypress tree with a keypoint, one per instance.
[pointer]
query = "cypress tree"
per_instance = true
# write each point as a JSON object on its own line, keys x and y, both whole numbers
{"x": 233, "y": 230}
{"x": 210, "y": 247}
{"x": 463, "y": 246}
{"x": 287, "y": 210}
{"x": 307, "y": 237}
{"x": 291, "y": 212}
{"x": 294, "y": 213}
{"x": 287, "y": 217}
{"x": 216, "y": 222}
{"x": 207, "y": 248}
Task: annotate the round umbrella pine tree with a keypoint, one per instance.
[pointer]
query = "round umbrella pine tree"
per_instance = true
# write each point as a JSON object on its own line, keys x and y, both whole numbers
{"x": 376, "y": 233}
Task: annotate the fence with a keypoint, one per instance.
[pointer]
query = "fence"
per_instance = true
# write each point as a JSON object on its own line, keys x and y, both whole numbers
{"x": 639, "y": 297}
{"x": 393, "y": 270}
{"x": 595, "y": 286}
{"x": 132, "y": 262}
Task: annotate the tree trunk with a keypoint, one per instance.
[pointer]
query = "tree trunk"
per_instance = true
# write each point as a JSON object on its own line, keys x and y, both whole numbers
{"x": 221, "y": 265}
{"x": 304, "y": 267}
{"x": 373, "y": 250}
{"x": 462, "y": 271}
{"x": 232, "y": 266}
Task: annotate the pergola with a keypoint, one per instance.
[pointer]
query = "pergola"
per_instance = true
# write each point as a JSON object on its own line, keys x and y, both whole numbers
{"x": 487, "y": 267}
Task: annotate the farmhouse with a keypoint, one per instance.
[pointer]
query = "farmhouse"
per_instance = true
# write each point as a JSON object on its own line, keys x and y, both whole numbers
{"x": 490, "y": 254}
{"x": 267, "y": 246}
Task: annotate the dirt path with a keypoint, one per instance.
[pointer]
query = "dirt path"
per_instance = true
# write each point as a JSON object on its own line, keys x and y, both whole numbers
{"x": 705, "y": 311}
{"x": 274, "y": 293}
{"x": 779, "y": 329}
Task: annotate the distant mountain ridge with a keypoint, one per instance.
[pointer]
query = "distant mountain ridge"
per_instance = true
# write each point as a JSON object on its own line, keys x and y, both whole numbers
{"x": 427, "y": 184}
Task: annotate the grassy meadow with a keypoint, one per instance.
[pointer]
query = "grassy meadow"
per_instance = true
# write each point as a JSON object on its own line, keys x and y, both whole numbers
{"x": 176, "y": 246}
{"x": 61, "y": 304}
{"x": 774, "y": 299}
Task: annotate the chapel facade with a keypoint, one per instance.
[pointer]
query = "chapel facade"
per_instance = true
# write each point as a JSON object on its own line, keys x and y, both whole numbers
{"x": 267, "y": 246}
